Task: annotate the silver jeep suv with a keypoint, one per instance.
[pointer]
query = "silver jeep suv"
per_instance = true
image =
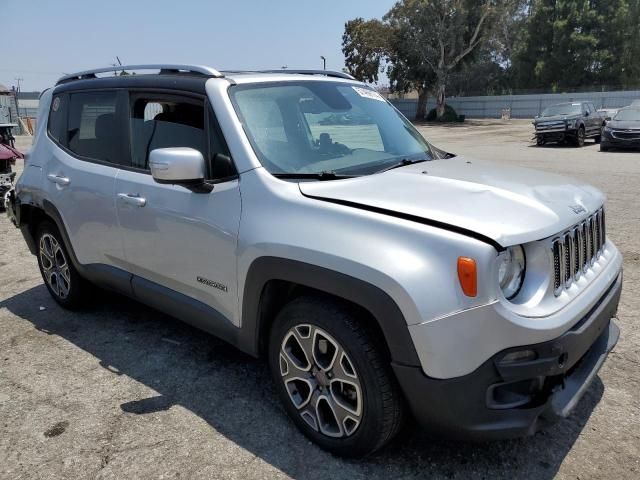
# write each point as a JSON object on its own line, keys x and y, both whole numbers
{"x": 298, "y": 216}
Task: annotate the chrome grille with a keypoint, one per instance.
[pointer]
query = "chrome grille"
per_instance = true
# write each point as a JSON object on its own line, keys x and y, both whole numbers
{"x": 555, "y": 126}
{"x": 626, "y": 134}
{"x": 575, "y": 251}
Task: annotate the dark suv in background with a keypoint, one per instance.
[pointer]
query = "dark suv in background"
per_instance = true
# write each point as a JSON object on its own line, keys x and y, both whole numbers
{"x": 574, "y": 122}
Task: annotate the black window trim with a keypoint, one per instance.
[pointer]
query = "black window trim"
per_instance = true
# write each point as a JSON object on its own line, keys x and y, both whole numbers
{"x": 208, "y": 108}
{"x": 143, "y": 92}
{"x": 75, "y": 155}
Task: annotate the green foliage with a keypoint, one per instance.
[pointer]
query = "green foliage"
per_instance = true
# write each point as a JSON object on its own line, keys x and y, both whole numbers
{"x": 448, "y": 116}
{"x": 365, "y": 45}
{"x": 578, "y": 43}
{"x": 422, "y": 42}
{"x": 459, "y": 47}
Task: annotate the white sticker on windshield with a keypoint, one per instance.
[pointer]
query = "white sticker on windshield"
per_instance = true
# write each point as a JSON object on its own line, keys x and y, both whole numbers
{"x": 366, "y": 93}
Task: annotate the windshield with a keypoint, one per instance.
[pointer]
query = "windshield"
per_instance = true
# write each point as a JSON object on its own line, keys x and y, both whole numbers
{"x": 310, "y": 127}
{"x": 563, "y": 109}
{"x": 628, "y": 115}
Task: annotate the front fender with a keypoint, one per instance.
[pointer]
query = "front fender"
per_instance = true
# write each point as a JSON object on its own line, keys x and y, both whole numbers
{"x": 380, "y": 305}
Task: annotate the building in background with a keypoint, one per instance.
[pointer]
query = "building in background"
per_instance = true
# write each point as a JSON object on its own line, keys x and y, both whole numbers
{"x": 6, "y": 100}
{"x": 28, "y": 104}
{"x": 20, "y": 108}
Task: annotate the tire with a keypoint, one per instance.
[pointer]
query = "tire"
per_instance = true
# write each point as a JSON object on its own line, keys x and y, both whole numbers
{"x": 598, "y": 138}
{"x": 540, "y": 141}
{"x": 315, "y": 343}
{"x": 580, "y": 136}
{"x": 61, "y": 278}
{"x": 603, "y": 148}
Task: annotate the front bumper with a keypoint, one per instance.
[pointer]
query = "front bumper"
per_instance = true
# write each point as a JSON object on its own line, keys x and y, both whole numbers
{"x": 556, "y": 135}
{"x": 609, "y": 140}
{"x": 500, "y": 400}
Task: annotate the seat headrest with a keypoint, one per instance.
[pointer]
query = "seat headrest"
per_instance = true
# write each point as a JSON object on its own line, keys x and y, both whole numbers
{"x": 105, "y": 125}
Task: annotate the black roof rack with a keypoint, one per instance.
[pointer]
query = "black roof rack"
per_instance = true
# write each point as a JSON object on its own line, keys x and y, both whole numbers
{"x": 162, "y": 69}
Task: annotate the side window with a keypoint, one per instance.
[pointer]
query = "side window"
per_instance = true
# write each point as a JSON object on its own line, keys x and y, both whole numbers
{"x": 162, "y": 121}
{"x": 57, "y": 123}
{"x": 93, "y": 130}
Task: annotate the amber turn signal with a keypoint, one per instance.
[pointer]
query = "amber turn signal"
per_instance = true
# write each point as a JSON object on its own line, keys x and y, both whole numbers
{"x": 468, "y": 276}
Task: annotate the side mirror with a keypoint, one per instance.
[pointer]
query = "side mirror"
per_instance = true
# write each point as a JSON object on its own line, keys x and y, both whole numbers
{"x": 178, "y": 165}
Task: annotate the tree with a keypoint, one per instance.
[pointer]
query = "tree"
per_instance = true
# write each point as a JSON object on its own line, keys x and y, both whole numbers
{"x": 424, "y": 42}
{"x": 442, "y": 33}
{"x": 365, "y": 45}
{"x": 571, "y": 44}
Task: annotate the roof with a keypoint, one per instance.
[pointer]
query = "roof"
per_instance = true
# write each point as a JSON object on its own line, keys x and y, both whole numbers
{"x": 194, "y": 82}
{"x": 4, "y": 89}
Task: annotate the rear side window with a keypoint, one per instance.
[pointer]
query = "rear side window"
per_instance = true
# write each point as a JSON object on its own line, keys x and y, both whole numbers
{"x": 57, "y": 124}
{"x": 93, "y": 129}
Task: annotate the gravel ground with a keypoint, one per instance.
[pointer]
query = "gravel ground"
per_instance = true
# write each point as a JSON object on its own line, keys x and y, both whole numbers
{"x": 122, "y": 391}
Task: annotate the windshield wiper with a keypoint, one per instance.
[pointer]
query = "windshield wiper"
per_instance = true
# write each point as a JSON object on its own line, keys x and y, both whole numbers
{"x": 403, "y": 163}
{"x": 325, "y": 175}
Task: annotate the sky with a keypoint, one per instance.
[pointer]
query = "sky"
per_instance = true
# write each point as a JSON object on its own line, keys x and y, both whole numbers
{"x": 50, "y": 37}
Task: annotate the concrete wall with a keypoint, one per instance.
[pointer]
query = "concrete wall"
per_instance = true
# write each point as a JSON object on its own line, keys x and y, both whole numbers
{"x": 522, "y": 106}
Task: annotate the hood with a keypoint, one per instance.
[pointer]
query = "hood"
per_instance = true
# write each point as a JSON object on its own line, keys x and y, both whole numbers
{"x": 624, "y": 124}
{"x": 555, "y": 118}
{"x": 508, "y": 205}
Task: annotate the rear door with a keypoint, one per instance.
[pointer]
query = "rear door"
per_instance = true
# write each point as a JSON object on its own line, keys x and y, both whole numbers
{"x": 172, "y": 236}
{"x": 592, "y": 120}
{"x": 596, "y": 118}
{"x": 90, "y": 140}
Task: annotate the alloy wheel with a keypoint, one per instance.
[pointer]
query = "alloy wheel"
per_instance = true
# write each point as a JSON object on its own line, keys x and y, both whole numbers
{"x": 321, "y": 381}
{"x": 55, "y": 267}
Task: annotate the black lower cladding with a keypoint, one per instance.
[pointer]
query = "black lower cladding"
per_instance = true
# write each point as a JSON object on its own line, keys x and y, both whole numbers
{"x": 505, "y": 397}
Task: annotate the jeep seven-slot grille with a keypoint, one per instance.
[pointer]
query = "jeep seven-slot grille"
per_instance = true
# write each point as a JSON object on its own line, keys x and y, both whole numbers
{"x": 575, "y": 252}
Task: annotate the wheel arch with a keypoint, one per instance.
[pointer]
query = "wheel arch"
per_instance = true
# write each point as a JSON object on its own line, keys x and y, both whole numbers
{"x": 272, "y": 281}
{"x": 32, "y": 215}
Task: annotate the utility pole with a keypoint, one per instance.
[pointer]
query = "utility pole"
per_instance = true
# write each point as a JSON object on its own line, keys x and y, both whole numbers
{"x": 18, "y": 80}
{"x": 324, "y": 62}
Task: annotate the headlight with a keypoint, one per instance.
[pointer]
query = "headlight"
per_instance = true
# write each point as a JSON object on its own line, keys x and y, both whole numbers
{"x": 571, "y": 123}
{"x": 607, "y": 128}
{"x": 511, "y": 268}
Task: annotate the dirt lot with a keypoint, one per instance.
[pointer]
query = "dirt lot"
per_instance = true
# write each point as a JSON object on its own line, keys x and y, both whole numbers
{"x": 125, "y": 392}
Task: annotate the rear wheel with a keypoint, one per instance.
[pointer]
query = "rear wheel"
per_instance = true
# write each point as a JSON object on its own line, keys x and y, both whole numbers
{"x": 540, "y": 141}
{"x": 333, "y": 377}
{"x": 63, "y": 281}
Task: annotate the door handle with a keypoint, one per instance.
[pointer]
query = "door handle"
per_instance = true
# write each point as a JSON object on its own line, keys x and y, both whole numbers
{"x": 58, "y": 179}
{"x": 133, "y": 199}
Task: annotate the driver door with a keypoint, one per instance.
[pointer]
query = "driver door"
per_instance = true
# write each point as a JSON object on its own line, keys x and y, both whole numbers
{"x": 172, "y": 236}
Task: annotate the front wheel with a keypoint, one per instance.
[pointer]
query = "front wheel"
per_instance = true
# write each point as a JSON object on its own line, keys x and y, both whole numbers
{"x": 61, "y": 278}
{"x": 332, "y": 375}
{"x": 580, "y": 136}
